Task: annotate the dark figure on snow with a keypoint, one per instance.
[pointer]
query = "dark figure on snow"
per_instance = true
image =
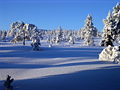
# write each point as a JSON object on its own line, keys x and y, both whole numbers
{"x": 7, "y": 83}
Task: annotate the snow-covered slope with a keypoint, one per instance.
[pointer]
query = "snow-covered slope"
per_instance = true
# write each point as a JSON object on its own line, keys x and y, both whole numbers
{"x": 57, "y": 68}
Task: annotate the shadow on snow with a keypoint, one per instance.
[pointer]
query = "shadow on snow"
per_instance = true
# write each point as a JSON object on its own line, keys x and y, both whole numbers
{"x": 55, "y": 52}
{"x": 105, "y": 78}
{"x": 34, "y": 66}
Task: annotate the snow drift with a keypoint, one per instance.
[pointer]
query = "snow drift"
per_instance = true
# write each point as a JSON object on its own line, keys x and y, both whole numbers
{"x": 110, "y": 53}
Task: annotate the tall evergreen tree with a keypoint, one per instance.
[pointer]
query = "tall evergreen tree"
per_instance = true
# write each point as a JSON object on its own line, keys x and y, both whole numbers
{"x": 112, "y": 26}
{"x": 59, "y": 35}
{"x": 89, "y": 31}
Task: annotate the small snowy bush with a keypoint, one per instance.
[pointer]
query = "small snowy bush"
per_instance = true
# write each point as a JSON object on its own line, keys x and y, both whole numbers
{"x": 35, "y": 43}
{"x": 110, "y": 53}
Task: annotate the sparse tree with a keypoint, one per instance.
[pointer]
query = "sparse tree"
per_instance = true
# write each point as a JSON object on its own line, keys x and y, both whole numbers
{"x": 22, "y": 31}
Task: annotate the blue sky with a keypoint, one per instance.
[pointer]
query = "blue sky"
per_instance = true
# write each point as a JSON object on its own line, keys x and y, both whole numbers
{"x": 49, "y": 14}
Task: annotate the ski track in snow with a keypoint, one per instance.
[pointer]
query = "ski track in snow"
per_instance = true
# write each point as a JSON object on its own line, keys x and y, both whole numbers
{"x": 57, "y": 68}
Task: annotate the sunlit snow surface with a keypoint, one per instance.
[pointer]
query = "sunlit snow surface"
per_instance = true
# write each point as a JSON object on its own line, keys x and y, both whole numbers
{"x": 61, "y": 67}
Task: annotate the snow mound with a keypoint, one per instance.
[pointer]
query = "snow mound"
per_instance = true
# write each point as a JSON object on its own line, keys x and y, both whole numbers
{"x": 110, "y": 53}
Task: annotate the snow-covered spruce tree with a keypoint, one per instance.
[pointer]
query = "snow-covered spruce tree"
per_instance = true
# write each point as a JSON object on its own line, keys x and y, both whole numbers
{"x": 66, "y": 34}
{"x": 89, "y": 31}
{"x": 59, "y": 35}
{"x": 36, "y": 43}
{"x": 50, "y": 40}
{"x": 3, "y": 35}
{"x": 112, "y": 26}
{"x": 71, "y": 38}
{"x": 35, "y": 37}
{"x": 77, "y": 34}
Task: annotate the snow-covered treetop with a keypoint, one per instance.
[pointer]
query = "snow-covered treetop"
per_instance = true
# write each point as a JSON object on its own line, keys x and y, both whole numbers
{"x": 22, "y": 25}
{"x": 59, "y": 28}
{"x": 88, "y": 21}
{"x": 117, "y": 8}
{"x": 18, "y": 25}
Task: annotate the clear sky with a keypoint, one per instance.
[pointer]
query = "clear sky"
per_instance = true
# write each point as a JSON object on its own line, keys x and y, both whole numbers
{"x": 49, "y": 14}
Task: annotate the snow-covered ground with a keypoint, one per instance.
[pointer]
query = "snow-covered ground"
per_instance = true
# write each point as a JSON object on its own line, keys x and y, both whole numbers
{"x": 61, "y": 67}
